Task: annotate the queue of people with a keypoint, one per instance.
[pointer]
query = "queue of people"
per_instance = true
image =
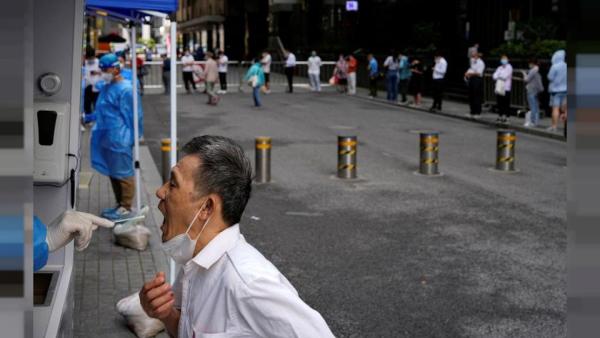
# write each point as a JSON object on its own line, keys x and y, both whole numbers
{"x": 403, "y": 76}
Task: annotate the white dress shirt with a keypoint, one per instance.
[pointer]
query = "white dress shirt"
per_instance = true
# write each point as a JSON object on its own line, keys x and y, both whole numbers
{"x": 477, "y": 67}
{"x": 187, "y": 61}
{"x": 266, "y": 63}
{"x": 91, "y": 80}
{"x": 223, "y": 63}
{"x": 291, "y": 60}
{"x": 440, "y": 68}
{"x": 229, "y": 289}
{"x": 314, "y": 65}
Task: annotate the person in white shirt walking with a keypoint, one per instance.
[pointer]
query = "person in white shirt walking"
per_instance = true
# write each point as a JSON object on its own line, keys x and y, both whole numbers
{"x": 474, "y": 77}
{"x": 503, "y": 78}
{"x": 439, "y": 73}
{"x": 225, "y": 286}
{"x": 314, "y": 71}
{"x": 290, "y": 66}
{"x": 222, "y": 64}
{"x": 187, "y": 68}
{"x": 265, "y": 61}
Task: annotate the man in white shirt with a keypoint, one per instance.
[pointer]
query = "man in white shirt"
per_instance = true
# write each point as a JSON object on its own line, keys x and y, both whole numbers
{"x": 290, "y": 65}
{"x": 187, "y": 61}
{"x": 314, "y": 71}
{"x": 474, "y": 77}
{"x": 266, "y": 66}
{"x": 439, "y": 73}
{"x": 225, "y": 287}
{"x": 222, "y": 65}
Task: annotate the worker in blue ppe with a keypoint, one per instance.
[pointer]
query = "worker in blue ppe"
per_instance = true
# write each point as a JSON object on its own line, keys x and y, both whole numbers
{"x": 112, "y": 136}
{"x": 74, "y": 225}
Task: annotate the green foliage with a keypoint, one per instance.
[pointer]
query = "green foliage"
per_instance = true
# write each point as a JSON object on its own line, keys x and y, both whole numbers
{"x": 539, "y": 40}
{"x": 150, "y": 43}
{"x": 542, "y": 49}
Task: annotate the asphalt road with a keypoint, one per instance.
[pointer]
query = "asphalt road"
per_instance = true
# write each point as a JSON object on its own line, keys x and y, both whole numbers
{"x": 472, "y": 253}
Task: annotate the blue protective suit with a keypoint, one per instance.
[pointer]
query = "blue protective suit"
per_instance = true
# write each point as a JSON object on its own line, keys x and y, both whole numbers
{"x": 40, "y": 247}
{"x": 112, "y": 135}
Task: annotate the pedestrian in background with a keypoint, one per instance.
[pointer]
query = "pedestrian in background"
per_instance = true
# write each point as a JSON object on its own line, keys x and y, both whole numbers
{"x": 211, "y": 72}
{"x": 166, "y": 73}
{"x": 471, "y": 50}
{"x": 534, "y": 86}
{"x": 290, "y": 66}
{"x": 417, "y": 81}
{"x": 503, "y": 78}
{"x": 199, "y": 53}
{"x": 474, "y": 78}
{"x": 314, "y": 71}
{"x": 187, "y": 62}
{"x": 255, "y": 77}
{"x": 92, "y": 73}
{"x": 557, "y": 75}
{"x": 222, "y": 66}
{"x": 391, "y": 77}
{"x": 352, "y": 66}
{"x": 265, "y": 61}
{"x": 439, "y": 73}
{"x": 373, "y": 71}
{"x": 341, "y": 73}
{"x": 404, "y": 75}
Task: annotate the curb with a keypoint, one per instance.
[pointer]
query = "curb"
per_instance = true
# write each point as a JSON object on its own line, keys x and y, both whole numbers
{"x": 536, "y": 132}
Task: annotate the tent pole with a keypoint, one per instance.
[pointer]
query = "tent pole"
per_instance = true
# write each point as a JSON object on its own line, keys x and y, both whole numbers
{"x": 173, "y": 87}
{"x": 136, "y": 127}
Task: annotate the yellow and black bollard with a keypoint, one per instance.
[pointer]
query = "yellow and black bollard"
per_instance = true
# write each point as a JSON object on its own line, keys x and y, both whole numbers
{"x": 165, "y": 150}
{"x": 505, "y": 153}
{"x": 429, "y": 148}
{"x": 347, "y": 157}
{"x": 263, "y": 159}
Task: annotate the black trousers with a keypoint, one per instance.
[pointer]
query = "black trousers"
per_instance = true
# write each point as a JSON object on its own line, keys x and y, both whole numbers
{"x": 503, "y": 104}
{"x": 89, "y": 100}
{"x": 438, "y": 91}
{"x": 373, "y": 86}
{"x": 187, "y": 79}
{"x": 223, "y": 80}
{"x": 289, "y": 73}
{"x": 475, "y": 94}
{"x": 403, "y": 88}
{"x": 166, "y": 78}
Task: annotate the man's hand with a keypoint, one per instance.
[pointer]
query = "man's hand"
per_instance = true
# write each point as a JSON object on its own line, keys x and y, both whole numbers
{"x": 157, "y": 298}
{"x": 75, "y": 224}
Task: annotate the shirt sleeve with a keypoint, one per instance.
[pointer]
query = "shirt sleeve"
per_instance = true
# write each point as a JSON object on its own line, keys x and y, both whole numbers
{"x": 40, "y": 247}
{"x": 273, "y": 309}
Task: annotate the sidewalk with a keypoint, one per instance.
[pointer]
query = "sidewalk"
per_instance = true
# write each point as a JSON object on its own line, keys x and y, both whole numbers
{"x": 106, "y": 272}
{"x": 461, "y": 110}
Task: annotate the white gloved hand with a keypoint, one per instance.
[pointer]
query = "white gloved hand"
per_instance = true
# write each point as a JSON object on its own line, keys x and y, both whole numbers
{"x": 75, "y": 224}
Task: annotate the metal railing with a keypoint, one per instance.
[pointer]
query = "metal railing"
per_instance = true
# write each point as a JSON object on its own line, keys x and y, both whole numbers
{"x": 236, "y": 70}
{"x": 518, "y": 94}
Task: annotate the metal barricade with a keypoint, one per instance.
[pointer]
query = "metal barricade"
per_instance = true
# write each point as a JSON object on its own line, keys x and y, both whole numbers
{"x": 518, "y": 94}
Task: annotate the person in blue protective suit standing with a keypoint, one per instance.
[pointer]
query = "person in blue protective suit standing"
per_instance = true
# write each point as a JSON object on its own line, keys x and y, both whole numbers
{"x": 74, "y": 225}
{"x": 112, "y": 136}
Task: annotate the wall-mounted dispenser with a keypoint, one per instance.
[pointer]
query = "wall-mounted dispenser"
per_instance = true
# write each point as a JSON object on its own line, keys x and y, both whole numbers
{"x": 51, "y": 137}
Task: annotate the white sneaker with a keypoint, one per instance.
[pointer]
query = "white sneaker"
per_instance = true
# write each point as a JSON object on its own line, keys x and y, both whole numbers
{"x": 552, "y": 129}
{"x": 527, "y": 125}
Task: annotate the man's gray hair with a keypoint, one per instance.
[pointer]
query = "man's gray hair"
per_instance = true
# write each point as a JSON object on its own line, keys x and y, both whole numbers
{"x": 225, "y": 170}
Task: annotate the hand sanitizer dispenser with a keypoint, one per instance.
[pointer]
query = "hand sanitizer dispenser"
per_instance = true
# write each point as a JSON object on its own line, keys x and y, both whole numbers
{"x": 51, "y": 137}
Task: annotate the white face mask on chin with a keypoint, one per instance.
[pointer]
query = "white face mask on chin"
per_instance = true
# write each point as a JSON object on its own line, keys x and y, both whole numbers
{"x": 181, "y": 247}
